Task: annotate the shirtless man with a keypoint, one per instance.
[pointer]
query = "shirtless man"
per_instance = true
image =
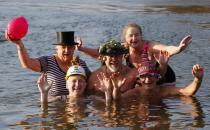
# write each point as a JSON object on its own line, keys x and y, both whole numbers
{"x": 148, "y": 77}
{"x": 111, "y": 55}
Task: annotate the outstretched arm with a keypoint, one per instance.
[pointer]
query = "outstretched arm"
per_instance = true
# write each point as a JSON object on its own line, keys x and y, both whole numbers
{"x": 188, "y": 90}
{"x": 89, "y": 51}
{"x": 24, "y": 58}
{"x": 173, "y": 50}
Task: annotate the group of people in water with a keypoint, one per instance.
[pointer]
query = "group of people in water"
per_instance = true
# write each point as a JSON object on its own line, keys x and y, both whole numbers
{"x": 146, "y": 72}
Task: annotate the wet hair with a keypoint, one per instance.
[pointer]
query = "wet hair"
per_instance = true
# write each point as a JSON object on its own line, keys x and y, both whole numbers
{"x": 130, "y": 25}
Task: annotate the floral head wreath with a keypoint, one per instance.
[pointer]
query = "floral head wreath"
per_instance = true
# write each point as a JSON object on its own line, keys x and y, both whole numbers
{"x": 112, "y": 47}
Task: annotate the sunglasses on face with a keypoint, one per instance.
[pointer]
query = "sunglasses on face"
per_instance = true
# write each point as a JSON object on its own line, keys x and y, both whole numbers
{"x": 150, "y": 75}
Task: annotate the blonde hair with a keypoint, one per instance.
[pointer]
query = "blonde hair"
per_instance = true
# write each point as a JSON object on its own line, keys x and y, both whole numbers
{"x": 75, "y": 60}
{"x": 126, "y": 27}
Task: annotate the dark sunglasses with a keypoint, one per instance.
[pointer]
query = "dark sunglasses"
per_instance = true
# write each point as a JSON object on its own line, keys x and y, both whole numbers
{"x": 150, "y": 75}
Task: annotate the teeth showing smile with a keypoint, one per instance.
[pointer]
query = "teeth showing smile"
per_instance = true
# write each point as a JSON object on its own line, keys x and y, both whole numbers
{"x": 114, "y": 63}
{"x": 133, "y": 44}
{"x": 67, "y": 54}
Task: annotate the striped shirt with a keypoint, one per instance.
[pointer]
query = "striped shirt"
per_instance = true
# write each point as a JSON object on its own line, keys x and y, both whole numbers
{"x": 54, "y": 73}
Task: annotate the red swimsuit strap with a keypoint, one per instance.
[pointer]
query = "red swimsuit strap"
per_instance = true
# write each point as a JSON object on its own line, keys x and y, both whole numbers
{"x": 145, "y": 46}
{"x": 145, "y": 50}
{"x": 144, "y": 53}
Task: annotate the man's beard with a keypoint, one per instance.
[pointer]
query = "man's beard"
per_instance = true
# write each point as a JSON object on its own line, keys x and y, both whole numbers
{"x": 113, "y": 68}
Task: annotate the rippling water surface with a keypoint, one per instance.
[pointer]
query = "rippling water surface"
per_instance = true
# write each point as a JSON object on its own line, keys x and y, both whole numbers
{"x": 166, "y": 21}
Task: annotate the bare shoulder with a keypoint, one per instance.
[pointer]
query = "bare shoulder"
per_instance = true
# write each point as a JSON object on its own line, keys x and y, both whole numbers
{"x": 100, "y": 69}
{"x": 93, "y": 77}
{"x": 152, "y": 45}
{"x": 131, "y": 71}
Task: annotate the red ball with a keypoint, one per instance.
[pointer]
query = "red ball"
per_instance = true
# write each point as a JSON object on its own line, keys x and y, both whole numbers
{"x": 17, "y": 28}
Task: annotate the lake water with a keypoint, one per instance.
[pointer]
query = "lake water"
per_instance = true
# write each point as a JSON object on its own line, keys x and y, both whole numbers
{"x": 96, "y": 21}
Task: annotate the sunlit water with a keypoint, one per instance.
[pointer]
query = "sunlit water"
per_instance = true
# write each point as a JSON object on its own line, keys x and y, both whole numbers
{"x": 97, "y": 21}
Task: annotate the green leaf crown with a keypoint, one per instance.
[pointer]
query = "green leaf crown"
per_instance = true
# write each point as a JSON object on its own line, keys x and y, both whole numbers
{"x": 112, "y": 47}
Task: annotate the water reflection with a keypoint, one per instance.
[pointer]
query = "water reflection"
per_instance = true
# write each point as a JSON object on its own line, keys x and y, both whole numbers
{"x": 181, "y": 9}
{"x": 187, "y": 111}
{"x": 145, "y": 113}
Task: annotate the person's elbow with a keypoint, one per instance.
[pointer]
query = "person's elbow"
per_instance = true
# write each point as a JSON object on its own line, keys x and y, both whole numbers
{"x": 187, "y": 93}
{"x": 31, "y": 65}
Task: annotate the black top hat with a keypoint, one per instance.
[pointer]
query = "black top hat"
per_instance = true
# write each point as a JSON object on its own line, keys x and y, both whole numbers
{"x": 65, "y": 38}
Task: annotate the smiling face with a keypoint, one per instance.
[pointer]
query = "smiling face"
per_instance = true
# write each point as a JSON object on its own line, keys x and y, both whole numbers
{"x": 132, "y": 35}
{"x": 65, "y": 53}
{"x": 114, "y": 62}
{"x": 76, "y": 85}
{"x": 148, "y": 81}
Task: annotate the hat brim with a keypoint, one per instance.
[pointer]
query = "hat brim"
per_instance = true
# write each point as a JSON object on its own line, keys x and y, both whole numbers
{"x": 74, "y": 74}
{"x": 66, "y": 44}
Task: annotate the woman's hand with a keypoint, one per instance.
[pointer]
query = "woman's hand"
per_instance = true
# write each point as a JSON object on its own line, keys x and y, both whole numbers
{"x": 163, "y": 58}
{"x": 185, "y": 42}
